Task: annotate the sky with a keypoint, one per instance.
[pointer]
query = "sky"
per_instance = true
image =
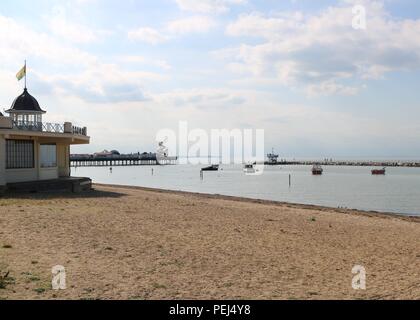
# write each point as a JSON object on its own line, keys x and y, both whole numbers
{"x": 295, "y": 68}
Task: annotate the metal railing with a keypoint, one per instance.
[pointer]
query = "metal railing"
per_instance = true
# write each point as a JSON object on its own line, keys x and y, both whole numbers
{"x": 47, "y": 127}
{"x": 80, "y": 131}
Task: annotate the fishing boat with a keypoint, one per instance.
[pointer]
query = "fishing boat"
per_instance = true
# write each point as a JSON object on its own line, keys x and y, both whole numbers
{"x": 317, "y": 170}
{"x": 213, "y": 167}
{"x": 379, "y": 171}
{"x": 251, "y": 169}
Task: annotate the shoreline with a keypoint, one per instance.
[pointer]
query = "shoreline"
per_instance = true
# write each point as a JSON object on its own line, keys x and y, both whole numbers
{"x": 368, "y": 213}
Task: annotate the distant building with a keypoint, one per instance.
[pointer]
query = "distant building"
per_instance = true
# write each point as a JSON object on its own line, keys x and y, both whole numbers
{"x": 32, "y": 150}
{"x": 101, "y": 154}
{"x": 106, "y": 154}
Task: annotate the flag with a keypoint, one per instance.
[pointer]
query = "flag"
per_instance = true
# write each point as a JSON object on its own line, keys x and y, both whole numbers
{"x": 21, "y": 73}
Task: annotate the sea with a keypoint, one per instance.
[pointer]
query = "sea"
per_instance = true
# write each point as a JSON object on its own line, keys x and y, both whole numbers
{"x": 340, "y": 186}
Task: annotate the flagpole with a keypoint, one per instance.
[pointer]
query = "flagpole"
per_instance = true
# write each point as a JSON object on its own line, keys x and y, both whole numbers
{"x": 25, "y": 74}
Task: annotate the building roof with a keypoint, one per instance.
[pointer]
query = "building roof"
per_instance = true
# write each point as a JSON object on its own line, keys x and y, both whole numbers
{"x": 25, "y": 102}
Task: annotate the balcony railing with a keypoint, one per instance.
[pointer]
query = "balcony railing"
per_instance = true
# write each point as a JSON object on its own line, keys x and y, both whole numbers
{"x": 49, "y": 127}
{"x": 79, "y": 130}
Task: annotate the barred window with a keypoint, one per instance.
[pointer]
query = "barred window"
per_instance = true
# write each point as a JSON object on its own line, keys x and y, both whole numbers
{"x": 19, "y": 154}
{"x": 48, "y": 155}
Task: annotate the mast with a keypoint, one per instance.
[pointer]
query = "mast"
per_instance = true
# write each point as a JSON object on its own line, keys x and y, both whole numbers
{"x": 25, "y": 74}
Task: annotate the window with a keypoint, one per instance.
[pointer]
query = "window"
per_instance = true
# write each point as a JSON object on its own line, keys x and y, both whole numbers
{"x": 19, "y": 154}
{"x": 48, "y": 155}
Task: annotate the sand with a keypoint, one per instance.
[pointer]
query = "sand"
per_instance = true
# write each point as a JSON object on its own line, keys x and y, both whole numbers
{"x": 133, "y": 243}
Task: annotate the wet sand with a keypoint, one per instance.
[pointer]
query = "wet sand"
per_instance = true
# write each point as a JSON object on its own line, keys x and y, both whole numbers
{"x": 137, "y": 243}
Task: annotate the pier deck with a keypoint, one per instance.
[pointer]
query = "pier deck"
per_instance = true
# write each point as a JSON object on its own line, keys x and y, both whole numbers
{"x": 121, "y": 160}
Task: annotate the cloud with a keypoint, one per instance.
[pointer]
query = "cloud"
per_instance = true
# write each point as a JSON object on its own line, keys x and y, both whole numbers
{"x": 102, "y": 83}
{"x": 331, "y": 88}
{"x": 135, "y": 59}
{"x": 203, "y": 98}
{"x": 73, "y": 32}
{"x": 208, "y": 6}
{"x": 107, "y": 92}
{"x": 256, "y": 24}
{"x": 163, "y": 64}
{"x": 193, "y": 24}
{"x": 174, "y": 28}
{"x": 321, "y": 51}
{"x": 17, "y": 42}
{"x": 98, "y": 82}
{"x": 148, "y": 35}
{"x": 69, "y": 29}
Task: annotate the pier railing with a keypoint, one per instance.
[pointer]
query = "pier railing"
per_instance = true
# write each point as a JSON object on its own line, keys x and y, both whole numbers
{"x": 89, "y": 160}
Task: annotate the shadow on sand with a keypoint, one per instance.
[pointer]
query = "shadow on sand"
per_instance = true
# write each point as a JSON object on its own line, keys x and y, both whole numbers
{"x": 45, "y": 195}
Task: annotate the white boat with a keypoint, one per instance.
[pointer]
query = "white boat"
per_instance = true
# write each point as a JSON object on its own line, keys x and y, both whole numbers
{"x": 251, "y": 169}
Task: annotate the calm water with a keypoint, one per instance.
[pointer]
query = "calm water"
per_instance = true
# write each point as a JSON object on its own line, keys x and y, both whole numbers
{"x": 352, "y": 187}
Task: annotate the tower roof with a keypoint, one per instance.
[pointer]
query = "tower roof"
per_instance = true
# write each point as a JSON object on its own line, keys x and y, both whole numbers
{"x": 25, "y": 103}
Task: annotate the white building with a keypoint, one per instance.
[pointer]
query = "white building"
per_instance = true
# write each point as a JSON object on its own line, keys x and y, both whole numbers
{"x": 31, "y": 150}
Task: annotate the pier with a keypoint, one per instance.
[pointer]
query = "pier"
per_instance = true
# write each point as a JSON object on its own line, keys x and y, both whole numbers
{"x": 146, "y": 159}
{"x": 411, "y": 164}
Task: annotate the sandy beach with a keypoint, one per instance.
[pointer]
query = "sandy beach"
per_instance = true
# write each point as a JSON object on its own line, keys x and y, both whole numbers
{"x": 134, "y": 243}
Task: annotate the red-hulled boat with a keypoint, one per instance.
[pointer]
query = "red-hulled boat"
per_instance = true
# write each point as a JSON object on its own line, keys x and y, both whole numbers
{"x": 379, "y": 171}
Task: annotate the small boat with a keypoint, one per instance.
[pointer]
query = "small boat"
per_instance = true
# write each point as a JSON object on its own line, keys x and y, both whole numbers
{"x": 317, "y": 170}
{"x": 251, "y": 169}
{"x": 379, "y": 171}
{"x": 213, "y": 167}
